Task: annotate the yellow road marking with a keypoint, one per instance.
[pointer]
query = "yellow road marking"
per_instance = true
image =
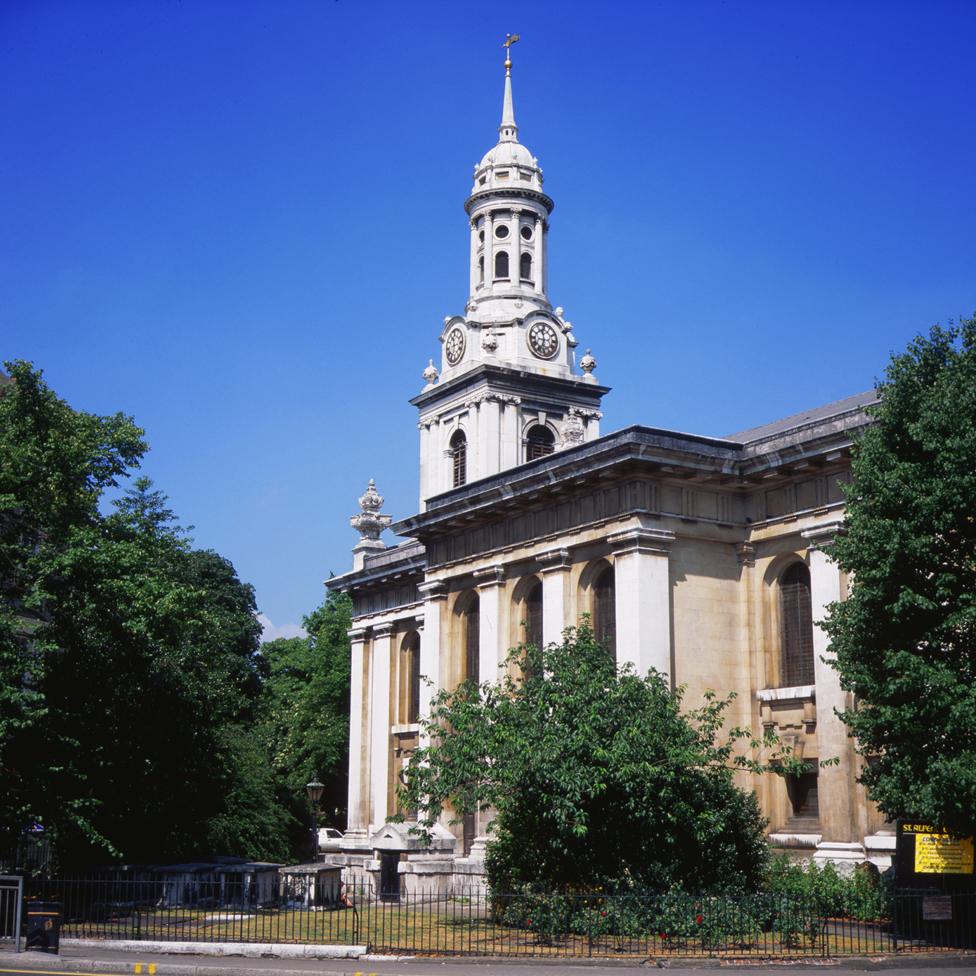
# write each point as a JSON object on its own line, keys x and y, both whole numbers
{"x": 137, "y": 968}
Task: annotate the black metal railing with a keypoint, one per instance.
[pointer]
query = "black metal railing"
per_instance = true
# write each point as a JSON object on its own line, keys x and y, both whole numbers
{"x": 473, "y": 921}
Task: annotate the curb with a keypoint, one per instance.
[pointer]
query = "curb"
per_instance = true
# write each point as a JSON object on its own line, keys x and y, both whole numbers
{"x": 251, "y": 950}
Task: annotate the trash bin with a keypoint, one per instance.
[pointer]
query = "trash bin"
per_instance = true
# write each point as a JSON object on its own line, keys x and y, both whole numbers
{"x": 43, "y": 926}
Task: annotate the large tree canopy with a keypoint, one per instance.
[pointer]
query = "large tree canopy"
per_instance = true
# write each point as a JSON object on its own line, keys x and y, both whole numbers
{"x": 905, "y": 638}
{"x": 596, "y": 776}
{"x": 130, "y": 678}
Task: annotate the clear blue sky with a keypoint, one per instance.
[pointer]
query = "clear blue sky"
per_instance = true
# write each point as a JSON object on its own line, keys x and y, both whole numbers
{"x": 242, "y": 223}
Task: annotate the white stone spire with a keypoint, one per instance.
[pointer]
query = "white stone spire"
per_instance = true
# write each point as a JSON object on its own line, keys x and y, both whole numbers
{"x": 508, "y": 130}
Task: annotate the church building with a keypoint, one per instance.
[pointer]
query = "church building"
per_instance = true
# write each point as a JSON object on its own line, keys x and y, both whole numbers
{"x": 706, "y": 558}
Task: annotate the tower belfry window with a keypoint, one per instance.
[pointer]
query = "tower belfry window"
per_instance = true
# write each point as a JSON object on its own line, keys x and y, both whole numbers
{"x": 459, "y": 458}
{"x": 525, "y": 267}
{"x": 501, "y": 264}
{"x": 540, "y": 442}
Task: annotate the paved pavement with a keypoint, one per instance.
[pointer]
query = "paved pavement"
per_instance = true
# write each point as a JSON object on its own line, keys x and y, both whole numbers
{"x": 94, "y": 961}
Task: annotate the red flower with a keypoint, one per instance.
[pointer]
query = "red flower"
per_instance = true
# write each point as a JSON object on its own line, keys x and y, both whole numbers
{"x": 530, "y": 921}
{"x": 664, "y": 935}
{"x": 699, "y": 919}
{"x": 603, "y": 914}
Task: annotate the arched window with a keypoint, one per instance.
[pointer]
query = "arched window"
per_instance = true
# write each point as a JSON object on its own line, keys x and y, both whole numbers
{"x": 481, "y": 269}
{"x": 410, "y": 681}
{"x": 501, "y": 264}
{"x": 539, "y": 442}
{"x": 525, "y": 267}
{"x": 471, "y": 620}
{"x": 459, "y": 458}
{"x": 605, "y": 610}
{"x": 796, "y": 616}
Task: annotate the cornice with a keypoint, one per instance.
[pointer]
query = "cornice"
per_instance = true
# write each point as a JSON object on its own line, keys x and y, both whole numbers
{"x": 508, "y": 193}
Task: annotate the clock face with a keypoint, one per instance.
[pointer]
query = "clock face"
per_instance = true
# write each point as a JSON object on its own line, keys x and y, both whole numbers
{"x": 455, "y": 346}
{"x": 543, "y": 340}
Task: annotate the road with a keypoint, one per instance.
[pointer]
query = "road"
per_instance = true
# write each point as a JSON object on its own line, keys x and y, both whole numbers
{"x": 101, "y": 962}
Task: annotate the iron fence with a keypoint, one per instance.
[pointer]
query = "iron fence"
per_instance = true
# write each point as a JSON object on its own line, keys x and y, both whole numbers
{"x": 475, "y": 922}
{"x": 11, "y": 905}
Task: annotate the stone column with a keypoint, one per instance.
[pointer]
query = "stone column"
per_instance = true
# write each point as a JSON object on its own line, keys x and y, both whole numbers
{"x": 555, "y": 582}
{"x": 358, "y": 743}
{"x": 509, "y": 452}
{"x": 489, "y": 250}
{"x": 434, "y": 595}
{"x": 538, "y": 260}
{"x": 643, "y": 598}
{"x": 379, "y": 748}
{"x": 490, "y": 587}
{"x": 474, "y": 257}
{"x": 515, "y": 251}
{"x": 491, "y": 410}
{"x": 424, "y": 429}
{"x": 835, "y": 784}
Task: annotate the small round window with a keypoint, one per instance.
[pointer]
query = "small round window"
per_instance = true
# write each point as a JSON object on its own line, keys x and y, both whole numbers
{"x": 526, "y": 233}
{"x": 501, "y": 231}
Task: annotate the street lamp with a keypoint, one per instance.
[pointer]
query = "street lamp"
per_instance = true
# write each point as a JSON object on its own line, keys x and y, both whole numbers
{"x": 314, "y": 790}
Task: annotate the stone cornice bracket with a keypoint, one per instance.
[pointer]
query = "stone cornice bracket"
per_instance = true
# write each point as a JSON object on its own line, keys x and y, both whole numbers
{"x": 554, "y": 560}
{"x": 657, "y": 542}
{"x": 356, "y": 634}
{"x": 823, "y": 536}
{"x": 492, "y": 576}
{"x": 381, "y": 630}
{"x": 433, "y": 590}
{"x": 746, "y": 553}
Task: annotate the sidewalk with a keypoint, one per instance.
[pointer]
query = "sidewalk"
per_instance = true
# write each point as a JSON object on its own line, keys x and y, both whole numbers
{"x": 91, "y": 960}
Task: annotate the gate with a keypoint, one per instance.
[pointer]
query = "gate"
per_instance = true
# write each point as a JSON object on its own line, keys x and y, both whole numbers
{"x": 11, "y": 905}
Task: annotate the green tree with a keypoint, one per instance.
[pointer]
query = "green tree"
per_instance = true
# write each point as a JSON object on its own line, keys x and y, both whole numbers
{"x": 127, "y": 658}
{"x": 305, "y": 713}
{"x": 905, "y": 638}
{"x": 596, "y": 775}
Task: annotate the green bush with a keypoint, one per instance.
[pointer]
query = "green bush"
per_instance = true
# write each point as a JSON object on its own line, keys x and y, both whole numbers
{"x": 863, "y": 895}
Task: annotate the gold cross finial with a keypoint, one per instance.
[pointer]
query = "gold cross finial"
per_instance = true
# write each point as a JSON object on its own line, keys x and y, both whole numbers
{"x": 510, "y": 39}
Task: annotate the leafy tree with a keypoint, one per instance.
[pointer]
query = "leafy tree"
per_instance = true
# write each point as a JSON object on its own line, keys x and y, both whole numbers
{"x": 905, "y": 638}
{"x": 596, "y": 776}
{"x": 305, "y": 709}
{"x": 128, "y": 660}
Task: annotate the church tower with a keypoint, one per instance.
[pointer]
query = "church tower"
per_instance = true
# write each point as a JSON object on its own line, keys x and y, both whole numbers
{"x": 507, "y": 391}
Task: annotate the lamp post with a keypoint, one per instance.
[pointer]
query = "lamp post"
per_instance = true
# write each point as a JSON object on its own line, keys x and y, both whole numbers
{"x": 314, "y": 790}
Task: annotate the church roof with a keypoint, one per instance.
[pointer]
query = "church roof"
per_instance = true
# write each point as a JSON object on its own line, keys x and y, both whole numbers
{"x": 796, "y": 421}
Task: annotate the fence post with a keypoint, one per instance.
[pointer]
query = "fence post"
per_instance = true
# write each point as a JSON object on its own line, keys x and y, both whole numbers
{"x": 18, "y": 913}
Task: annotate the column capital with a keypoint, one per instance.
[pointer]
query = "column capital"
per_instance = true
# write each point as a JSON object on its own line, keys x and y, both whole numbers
{"x": 656, "y": 542}
{"x": 823, "y": 536}
{"x": 433, "y": 590}
{"x": 492, "y": 576}
{"x": 381, "y": 630}
{"x": 356, "y": 634}
{"x": 554, "y": 560}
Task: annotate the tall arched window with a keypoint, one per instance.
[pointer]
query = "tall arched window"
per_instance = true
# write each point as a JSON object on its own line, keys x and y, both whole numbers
{"x": 501, "y": 264}
{"x": 410, "y": 669}
{"x": 459, "y": 458}
{"x": 539, "y": 442}
{"x": 525, "y": 267}
{"x": 481, "y": 269}
{"x": 472, "y": 639}
{"x": 796, "y": 616}
{"x": 533, "y": 615}
{"x": 605, "y": 610}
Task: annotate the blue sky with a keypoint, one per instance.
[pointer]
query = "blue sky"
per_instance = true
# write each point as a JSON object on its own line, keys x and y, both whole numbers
{"x": 242, "y": 223}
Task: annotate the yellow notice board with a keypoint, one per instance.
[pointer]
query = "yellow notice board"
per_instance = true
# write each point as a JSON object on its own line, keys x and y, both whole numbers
{"x": 943, "y": 854}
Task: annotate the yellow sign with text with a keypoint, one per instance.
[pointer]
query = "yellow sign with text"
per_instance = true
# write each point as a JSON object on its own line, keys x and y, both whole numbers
{"x": 943, "y": 854}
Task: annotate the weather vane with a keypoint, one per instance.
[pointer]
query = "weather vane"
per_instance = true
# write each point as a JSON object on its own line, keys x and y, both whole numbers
{"x": 510, "y": 39}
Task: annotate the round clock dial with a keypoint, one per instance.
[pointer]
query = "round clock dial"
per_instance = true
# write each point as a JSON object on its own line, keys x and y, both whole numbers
{"x": 543, "y": 340}
{"x": 455, "y": 346}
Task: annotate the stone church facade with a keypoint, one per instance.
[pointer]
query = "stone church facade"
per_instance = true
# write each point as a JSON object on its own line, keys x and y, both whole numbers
{"x": 705, "y": 558}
